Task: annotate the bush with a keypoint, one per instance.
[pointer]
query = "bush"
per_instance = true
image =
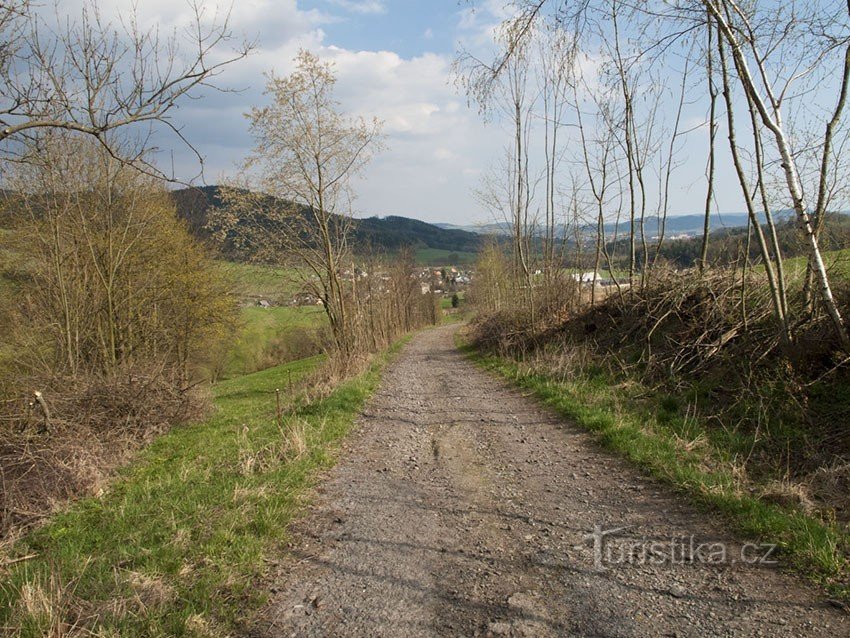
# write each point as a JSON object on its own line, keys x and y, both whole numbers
{"x": 114, "y": 305}
{"x": 684, "y": 340}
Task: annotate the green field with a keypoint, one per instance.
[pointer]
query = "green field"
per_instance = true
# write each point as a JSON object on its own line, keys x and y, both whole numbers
{"x": 254, "y": 281}
{"x": 268, "y": 336}
{"x": 440, "y": 257}
{"x": 837, "y": 263}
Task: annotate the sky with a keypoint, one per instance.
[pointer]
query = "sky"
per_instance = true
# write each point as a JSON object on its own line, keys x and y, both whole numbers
{"x": 393, "y": 60}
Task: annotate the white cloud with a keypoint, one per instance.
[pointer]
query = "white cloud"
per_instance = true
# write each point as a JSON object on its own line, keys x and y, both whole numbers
{"x": 435, "y": 144}
{"x": 429, "y": 34}
{"x": 431, "y": 138}
{"x": 361, "y": 6}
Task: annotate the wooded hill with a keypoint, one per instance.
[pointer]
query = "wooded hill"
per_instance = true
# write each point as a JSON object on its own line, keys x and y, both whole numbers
{"x": 674, "y": 226}
{"x": 727, "y": 245}
{"x": 382, "y": 234}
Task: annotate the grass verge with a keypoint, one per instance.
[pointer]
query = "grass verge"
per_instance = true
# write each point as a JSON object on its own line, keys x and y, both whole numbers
{"x": 176, "y": 547}
{"x": 818, "y": 548}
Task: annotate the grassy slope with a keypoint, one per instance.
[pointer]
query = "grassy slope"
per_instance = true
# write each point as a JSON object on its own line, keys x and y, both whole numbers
{"x": 266, "y": 333}
{"x": 175, "y": 546}
{"x": 680, "y": 451}
{"x": 440, "y": 257}
{"x": 260, "y": 280}
{"x": 837, "y": 263}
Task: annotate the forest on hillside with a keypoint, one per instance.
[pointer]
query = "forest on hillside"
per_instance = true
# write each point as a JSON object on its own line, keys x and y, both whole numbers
{"x": 392, "y": 233}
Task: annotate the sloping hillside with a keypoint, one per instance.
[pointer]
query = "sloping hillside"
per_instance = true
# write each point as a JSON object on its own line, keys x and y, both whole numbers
{"x": 388, "y": 233}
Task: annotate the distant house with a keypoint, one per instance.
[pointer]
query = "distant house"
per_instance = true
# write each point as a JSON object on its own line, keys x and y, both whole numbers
{"x": 426, "y": 288}
{"x": 306, "y": 299}
{"x": 263, "y": 303}
{"x": 586, "y": 277}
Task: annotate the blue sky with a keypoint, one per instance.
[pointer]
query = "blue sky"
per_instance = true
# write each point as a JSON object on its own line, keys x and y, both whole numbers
{"x": 408, "y": 27}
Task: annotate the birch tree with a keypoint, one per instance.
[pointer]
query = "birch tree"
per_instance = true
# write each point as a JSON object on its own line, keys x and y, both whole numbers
{"x": 766, "y": 94}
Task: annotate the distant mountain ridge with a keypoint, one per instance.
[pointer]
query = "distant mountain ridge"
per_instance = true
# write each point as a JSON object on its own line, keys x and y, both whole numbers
{"x": 383, "y": 233}
{"x": 677, "y": 225}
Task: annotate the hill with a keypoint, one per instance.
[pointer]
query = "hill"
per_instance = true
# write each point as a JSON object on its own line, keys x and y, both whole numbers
{"x": 388, "y": 233}
{"x": 676, "y": 225}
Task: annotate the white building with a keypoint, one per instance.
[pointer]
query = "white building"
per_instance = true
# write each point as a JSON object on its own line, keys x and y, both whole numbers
{"x": 586, "y": 277}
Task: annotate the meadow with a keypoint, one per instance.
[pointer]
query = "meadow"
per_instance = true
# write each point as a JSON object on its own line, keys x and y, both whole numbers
{"x": 273, "y": 335}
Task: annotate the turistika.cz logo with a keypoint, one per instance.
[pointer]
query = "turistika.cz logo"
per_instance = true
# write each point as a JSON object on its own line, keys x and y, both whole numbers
{"x": 609, "y": 550}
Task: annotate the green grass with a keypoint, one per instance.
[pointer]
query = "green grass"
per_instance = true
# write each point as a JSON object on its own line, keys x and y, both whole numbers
{"x": 678, "y": 451}
{"x": 263, "y": 281}
{"x": 446, "y": 300}
{"x": 440, "y": 257}
{"x": 837, "y": 263}
{"x": 175, "y": 547}
{"x": 270, "y": 335}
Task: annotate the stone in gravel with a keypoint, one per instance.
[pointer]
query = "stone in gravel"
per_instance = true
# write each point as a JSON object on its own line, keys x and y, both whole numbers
{"x": 521, "y": 601}
{"x": 677, "y": 592}
{"x": 498, "y": 629}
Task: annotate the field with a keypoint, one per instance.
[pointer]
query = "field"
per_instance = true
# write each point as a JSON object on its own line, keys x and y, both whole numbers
{"x": 270, "y": 336}
{"x": 439, "y": 257}
{"x": 837, "y": 263}
{"x": 261, "y": 281}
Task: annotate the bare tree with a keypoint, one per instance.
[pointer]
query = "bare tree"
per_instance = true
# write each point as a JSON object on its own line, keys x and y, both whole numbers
{"x": 556, "y": 53}
{"x": 779, "y": 309}
{"x": 766, "y": 94}
{"x": 712, "y": 136}
{"x": 510, "y": 191}
{"x": 306, "y": 152}
{"x": 94, "y": 77}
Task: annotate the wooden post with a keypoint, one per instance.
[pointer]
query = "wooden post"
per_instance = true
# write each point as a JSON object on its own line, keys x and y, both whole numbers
{"x": 38, "y": 399}
{"x": 278, "y": 412}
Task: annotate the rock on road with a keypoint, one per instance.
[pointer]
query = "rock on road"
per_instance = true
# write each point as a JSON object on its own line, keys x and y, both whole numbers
{"x": 461, "y": 508}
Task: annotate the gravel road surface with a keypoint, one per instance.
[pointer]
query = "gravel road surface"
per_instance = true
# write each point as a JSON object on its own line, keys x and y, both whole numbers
{"x": 462, "y": 508}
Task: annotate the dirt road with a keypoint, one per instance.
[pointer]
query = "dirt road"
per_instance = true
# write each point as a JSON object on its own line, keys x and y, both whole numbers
{"x": 461, "y": 508}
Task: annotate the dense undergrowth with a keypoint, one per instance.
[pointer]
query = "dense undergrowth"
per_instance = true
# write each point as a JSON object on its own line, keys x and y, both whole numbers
{"x": 687, "y": 378}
